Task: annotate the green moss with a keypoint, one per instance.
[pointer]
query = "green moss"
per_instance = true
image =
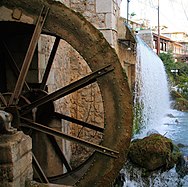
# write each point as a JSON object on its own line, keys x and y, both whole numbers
{"x": 153, "y": 152}
{"x": 138, "y": 118}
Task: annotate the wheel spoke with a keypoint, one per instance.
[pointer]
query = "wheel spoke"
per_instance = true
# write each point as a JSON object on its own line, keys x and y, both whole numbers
{"x": 3, "y": 100}
{"x": 89, "y": 79}
{"x": 50, "y": 61}
{"x": 59, "y": 152}
{"x": 79, "y": 122}
{"x": 28, "y": 57}
{"x": 47, "y": 130}
{"x": 39, "y": 170}
{"x": 13, "y": 64}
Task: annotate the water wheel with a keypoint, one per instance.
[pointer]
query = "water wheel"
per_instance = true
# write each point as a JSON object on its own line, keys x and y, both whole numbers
{"x": 33, "y": 108}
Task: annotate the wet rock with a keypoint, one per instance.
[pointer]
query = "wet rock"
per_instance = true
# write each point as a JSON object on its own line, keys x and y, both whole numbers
{"x": 119, "y": 182}
{"x": 180, "y": 145}
{"x": 182, "y": 167}
{"x": 153, "y": 152}
{"x": 170, "y": 116}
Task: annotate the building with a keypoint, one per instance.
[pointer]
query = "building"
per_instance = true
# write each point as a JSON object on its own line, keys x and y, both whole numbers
{"x": 181, "y": 44}
{"x": 177, "y": 42}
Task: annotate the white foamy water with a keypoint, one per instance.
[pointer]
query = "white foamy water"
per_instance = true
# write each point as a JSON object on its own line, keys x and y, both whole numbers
{"x": 151, "y": 88}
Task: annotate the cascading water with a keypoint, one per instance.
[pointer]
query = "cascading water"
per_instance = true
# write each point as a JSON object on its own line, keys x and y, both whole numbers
{"x": 153, "y": 103}
{"x": 151, "y": 88}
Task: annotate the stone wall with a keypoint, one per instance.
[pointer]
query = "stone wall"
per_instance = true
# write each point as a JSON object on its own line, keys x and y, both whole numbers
{"x": 126, "y": 50}
{"x": 102, "y": 14}
{"x": 84, "y": 104}
{"x": 105, "y": 16}
{"x": 147, "y": 37}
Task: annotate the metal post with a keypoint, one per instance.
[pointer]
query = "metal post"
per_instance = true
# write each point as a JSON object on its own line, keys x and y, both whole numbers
{"x": 158, "y": 38}
{"x": 128, "y": 10}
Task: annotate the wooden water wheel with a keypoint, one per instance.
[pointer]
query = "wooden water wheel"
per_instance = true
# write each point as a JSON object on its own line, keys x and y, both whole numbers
{"x": 22, "y": 22}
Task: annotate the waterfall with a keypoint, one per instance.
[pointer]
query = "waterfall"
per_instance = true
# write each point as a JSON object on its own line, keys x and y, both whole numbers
{"x": 152, "y": 104}
{"x": 151, "y": 89}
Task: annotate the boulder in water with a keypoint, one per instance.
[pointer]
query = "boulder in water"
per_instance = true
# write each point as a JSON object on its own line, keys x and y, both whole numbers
{"x": 154, "y": 152}
{"x": 180, "y": 145}
{"x": 170, "y": 116}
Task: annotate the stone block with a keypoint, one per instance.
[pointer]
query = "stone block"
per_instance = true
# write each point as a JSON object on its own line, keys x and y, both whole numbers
{"x": 15, "y": 159}
{"x": 118, "y": 2}
{"x": 19, "y": 181}
{"x": 51, "y": 78}
{"x": 90, "y": 8}
{"x": 13, "y": 147}
{"x": 65, "y": 2}
{"x": 104, "y": 6}
{"x": 12, "y": 171}
{"x": 42, "y": 61}
{"x": 108, "y": 35}
{"x": 111, "y": 22}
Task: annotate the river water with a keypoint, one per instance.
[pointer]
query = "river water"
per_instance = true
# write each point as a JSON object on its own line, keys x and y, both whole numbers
{"x": 175, "y": 127}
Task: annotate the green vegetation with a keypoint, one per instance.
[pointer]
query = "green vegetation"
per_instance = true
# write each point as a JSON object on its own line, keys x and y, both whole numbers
{"x": 138, "y": 118}
{"x": 153, "y": 152}
{"x": 178, "y": 76}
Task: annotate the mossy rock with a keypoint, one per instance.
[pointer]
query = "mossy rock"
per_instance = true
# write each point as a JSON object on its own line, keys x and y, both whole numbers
{"x": 154, "y": 152}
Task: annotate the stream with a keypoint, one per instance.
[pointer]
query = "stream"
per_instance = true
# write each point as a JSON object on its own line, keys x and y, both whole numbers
{"x": 175, "y": 127}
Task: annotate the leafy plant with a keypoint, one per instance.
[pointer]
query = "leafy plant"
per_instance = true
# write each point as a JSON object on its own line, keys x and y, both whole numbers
{"x": 177, "y": 73}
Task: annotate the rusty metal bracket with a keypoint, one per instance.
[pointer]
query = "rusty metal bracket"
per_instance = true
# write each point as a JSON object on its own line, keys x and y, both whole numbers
{"x": 5, "y": 123}
{"x": 47, "y": 130}
{"x": 16, "y": 14}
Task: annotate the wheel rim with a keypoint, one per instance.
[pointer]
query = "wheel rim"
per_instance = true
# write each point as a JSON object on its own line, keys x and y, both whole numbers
{"x": 67, "y": 25}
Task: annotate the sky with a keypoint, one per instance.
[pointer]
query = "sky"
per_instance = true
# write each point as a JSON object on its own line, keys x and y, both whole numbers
{"x": 173, "y": 13}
